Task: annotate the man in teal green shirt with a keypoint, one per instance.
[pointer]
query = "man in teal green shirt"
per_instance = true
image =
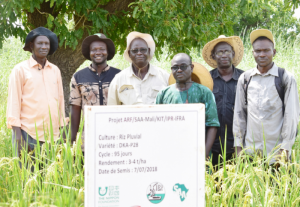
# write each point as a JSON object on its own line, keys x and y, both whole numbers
{"x": 187, "y": 91}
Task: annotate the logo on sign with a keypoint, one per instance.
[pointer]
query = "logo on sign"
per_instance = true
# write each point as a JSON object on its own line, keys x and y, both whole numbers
{"x": 156, "y": 192}
{"x": 181, "y": 190}
{"x": 102, "y": 192}
{"x": 108, "y": 195}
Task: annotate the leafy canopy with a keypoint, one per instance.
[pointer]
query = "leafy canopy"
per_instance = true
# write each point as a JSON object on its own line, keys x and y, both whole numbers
{"x": 181, "y": 24}
{"x": 277, "y": 15}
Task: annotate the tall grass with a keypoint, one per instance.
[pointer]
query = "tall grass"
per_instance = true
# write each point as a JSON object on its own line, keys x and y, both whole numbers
{"x": 58, "y": 178}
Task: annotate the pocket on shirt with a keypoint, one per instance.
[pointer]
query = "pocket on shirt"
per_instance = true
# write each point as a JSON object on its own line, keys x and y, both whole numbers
{"x": 153, "y": 93}
{"x": 52, "y": 84}
{"x": 155, "y": 90}
{"x": 218, "y": 96}
{"x": 127, "y": 95}
{"x": 55, "y": 92}
{"x": 89, "y": 93}
{"x": 215, "y": 90}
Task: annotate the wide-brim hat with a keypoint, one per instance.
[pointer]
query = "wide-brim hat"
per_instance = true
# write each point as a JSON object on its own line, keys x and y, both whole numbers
{"x": 148, "y": 39}
{"x": 200, "y": 75}
{"x": 234, "y": 41}
{"x": 42, "y": 31}
{"x": 85, "y": 47}
{"x": 261, "y": 33}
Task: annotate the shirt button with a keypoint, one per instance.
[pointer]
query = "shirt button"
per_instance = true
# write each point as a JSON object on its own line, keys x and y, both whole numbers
{"x": 100, "y": 87}
{"x": 97, "y": 74}
{"x": 99, "y": 81}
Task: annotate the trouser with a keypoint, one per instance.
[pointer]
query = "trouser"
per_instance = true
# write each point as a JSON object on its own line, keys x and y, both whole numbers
{"x": 28, "y": 141}
{"x": 215, "y": 158}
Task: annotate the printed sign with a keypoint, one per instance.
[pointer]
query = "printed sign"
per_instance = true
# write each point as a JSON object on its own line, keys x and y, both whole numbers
{"x": 145, "y": 156}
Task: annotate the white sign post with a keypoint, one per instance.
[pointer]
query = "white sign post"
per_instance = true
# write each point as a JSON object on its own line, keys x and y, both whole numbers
{"x": 145, "y": 156}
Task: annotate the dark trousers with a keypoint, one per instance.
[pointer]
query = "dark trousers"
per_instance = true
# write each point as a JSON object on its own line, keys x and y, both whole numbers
{"x": 215, "y": 158}
{"x": 28, "y": 140}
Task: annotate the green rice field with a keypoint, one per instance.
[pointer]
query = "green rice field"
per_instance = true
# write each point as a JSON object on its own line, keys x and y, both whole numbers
{"x": 58, "y": 175}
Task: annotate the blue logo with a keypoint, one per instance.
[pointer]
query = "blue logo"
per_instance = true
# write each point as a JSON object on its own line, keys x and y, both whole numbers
{"x": 181, "y": 190}
{"x": 101, "y": 192}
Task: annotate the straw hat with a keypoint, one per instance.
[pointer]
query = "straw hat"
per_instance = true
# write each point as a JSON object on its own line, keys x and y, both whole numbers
{"x": 261, "y": 33}
{"x": 42, "y": 31}
{"x": 147, "y": 37}
{"x": 85, "y": 47}
{"x": 200, "y": 75}
{"x": 234, "y": 41}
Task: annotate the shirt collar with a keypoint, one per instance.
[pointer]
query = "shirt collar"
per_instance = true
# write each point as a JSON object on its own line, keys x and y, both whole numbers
{"x": 152, "y": 70}
{"x": 235, "y": 75}
{"x": 94, "y": 70}
{"x": 273, "y": 71}
{"x": 33, "y": 62}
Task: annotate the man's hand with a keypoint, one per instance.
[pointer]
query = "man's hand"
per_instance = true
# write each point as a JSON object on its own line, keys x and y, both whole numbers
{"x": 210, "y": 138}
{"x": 20, "y": 142}
{"x": 283, "y": 154}
{"x": 75, "y": 121}
{"x": 238, "y": 151}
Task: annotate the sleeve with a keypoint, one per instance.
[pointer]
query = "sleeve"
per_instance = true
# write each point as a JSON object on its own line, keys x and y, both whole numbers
{"x": 291, "y": 114}
{"x": 62, "y": 121}
{"x": 211, "y": 113}
{"x": 15, "y": 88}
{"x": 239, "y": 125}
{"x": 167, "y": 77}
{"x": 158, "y": 99}
{"x": 113, "y": 96}
{"x": 75, "y": 95}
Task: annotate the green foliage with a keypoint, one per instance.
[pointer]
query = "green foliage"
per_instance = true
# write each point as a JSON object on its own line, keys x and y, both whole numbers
{"x": 177, "y": 25}
{"x": 180, "y": 24}
{"x": 58, "y": 176}
{"x": 9, "y": 57}
{"x": 274, "y": 15}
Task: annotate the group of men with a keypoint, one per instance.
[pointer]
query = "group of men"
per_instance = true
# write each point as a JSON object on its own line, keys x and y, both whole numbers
{"x": 257, "y": 110}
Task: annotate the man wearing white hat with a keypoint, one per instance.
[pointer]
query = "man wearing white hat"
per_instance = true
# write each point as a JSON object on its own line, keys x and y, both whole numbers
{"x": 224, "y": 54}
{"x": 266, "y": 109}
{"x": 141, "y": 81}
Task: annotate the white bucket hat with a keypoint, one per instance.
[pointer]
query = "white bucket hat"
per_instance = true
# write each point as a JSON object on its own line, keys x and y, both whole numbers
{"x": 147, "y": 37}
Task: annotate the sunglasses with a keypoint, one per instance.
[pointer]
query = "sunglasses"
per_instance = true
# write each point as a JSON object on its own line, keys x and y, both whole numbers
{"x": 182, "y": 67}
{"x": 226, "y": 52}
{"x": 142, "y": 50}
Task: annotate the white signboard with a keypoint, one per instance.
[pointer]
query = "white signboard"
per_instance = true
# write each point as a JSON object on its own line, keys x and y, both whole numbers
{"x": 145, "y": 156}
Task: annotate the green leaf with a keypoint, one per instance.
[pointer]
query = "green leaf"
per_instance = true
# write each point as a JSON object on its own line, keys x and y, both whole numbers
{"x": 52, "y": 3}
{"x": 135, "y": 11}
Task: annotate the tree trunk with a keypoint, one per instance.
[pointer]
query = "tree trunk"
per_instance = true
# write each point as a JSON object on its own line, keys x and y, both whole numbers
{"x": 67, "y": 60}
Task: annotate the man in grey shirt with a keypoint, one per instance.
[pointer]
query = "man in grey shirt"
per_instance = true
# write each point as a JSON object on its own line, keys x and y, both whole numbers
{"x": 261, "y": 115}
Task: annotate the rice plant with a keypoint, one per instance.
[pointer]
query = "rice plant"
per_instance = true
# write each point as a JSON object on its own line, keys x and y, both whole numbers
{"x": 54, "y": 176}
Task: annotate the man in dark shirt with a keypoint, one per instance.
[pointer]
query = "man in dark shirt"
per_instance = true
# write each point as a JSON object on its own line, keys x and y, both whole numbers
{"x": 224, "y": 54}
{"x": 90, "y": 85}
